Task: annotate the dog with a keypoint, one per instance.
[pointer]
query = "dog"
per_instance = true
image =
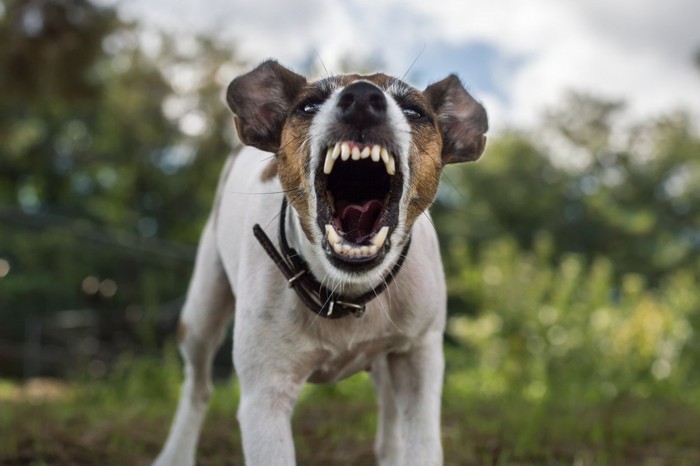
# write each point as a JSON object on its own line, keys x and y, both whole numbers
{"x": 341, "y": 171}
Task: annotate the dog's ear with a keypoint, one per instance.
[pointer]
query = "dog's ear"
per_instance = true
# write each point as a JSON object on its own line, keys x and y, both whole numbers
{"x": 260, "y": 101}
{"x": 462, "y": 120}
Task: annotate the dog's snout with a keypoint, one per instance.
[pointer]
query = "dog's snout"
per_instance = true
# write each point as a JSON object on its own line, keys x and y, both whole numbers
{"x": 362, "y": 104}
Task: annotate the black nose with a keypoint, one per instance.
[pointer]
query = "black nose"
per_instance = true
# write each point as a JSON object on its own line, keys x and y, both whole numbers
{"x": 362, "y": 104}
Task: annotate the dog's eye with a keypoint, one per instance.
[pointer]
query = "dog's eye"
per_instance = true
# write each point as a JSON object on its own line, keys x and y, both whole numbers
{"x": 309, "y": 107}
{"x": 413, "y": 113}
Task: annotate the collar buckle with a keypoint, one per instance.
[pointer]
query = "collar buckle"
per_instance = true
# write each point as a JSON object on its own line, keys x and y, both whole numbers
{"x": 357, "y": 310}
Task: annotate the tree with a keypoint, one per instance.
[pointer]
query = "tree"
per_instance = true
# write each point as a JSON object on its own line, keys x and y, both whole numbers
{"x": 108, "y": 162}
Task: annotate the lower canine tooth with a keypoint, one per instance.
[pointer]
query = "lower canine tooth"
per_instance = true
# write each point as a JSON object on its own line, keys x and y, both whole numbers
{"x": 372, "y": 250}
{"x": 332, "y": 236}
{"x": 380, "y": 237}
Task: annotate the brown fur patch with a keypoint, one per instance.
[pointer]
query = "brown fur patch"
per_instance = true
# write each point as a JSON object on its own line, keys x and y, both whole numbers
{"x": 181, "y": 332}
{"x": 270, "y": 171}
{"x": 425, "y": 166}
{"x": 425, "y": 157}
{"x": 293, "y": 159}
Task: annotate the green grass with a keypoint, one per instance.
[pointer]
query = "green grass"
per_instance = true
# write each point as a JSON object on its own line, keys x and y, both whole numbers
{"x": 123, "y": 421}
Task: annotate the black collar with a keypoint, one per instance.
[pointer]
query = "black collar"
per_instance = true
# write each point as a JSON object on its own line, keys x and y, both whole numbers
{"x": 319, "y": 299}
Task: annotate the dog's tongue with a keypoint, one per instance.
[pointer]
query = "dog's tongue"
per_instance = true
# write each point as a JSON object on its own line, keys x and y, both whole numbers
{"x": 358, "y": 219}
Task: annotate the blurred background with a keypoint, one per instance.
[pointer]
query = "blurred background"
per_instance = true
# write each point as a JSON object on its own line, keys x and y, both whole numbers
{"x": 572, "y": 248}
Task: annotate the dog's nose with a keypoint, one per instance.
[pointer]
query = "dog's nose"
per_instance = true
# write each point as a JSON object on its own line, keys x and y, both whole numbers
{"x": 362, "y": 104}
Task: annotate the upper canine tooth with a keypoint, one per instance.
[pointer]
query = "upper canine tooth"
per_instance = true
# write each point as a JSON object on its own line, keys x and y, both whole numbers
{"x": 330, "y": 161}
{"x": 356, "y": 153}
{"x": 380, "y": 237}
{"x": 344, "y": 151}
{"x": 385, "y": 155}
{"x": 376, "y": 155}
{"x": 390, "y": 165}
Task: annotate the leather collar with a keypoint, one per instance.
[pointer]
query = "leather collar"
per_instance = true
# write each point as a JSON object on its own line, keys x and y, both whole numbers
{"x": 318, "y": 299}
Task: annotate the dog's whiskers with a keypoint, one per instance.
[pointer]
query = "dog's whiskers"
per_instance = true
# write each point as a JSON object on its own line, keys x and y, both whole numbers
{"x": 291, "y": 201}
{"x": 415, "y": 60}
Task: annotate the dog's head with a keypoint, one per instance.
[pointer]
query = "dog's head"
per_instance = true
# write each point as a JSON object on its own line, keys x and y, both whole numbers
{"x": 359, "y": 156}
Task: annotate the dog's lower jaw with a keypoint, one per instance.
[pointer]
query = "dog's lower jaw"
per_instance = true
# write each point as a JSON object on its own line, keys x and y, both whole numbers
{"x": 347, "y": 283}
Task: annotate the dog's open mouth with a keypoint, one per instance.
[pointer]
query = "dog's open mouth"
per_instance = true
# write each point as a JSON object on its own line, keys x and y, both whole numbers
{"x": 358, "y": 189}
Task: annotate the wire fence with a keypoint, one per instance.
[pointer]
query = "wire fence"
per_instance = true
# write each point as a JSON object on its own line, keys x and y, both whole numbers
{"x": 89, "y": 331}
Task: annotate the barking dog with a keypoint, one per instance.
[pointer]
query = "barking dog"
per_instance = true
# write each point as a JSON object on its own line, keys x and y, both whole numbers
{"x": 340, "y": 171}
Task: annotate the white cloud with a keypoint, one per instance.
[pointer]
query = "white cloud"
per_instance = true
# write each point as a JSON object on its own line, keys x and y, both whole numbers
{"x": 640, "y": 52}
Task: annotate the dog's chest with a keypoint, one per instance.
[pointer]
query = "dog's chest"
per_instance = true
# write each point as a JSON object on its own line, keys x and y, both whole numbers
{"x": 339, "y": 361}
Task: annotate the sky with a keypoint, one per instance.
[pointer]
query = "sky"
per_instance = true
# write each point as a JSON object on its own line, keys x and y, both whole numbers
{"x": 518, "y": 57}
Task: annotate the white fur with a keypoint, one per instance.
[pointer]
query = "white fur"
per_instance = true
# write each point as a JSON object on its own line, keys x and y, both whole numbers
{"x": 279, "y": 344}
{"x": 402, "y": 130}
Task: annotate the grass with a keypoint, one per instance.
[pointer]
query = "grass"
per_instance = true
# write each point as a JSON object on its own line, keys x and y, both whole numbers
{"x": 123, "y": 421}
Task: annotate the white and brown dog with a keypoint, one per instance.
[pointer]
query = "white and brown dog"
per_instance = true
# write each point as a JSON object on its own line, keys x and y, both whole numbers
{"x": 355, "y": 281}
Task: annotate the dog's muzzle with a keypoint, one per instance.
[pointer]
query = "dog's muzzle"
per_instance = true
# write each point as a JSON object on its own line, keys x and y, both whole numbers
{"x": 359, "y": 182}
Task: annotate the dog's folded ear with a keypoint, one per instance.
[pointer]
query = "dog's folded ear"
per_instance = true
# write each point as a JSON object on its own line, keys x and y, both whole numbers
{"x": 462, "y": 120}
{"x": 260, "y": 101}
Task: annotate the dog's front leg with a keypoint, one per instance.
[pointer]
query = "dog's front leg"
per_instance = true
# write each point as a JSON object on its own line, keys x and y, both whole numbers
{"x": 417, "y": 380}
{"x": 388, "y": 446}
{"x": 269, "y": 389}
{"x": 208, "y": 309}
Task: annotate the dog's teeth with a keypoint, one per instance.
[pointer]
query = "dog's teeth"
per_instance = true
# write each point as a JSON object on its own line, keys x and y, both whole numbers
{"x": 364, "y": 250}
{"x": 365, "y": 152}
{"x": 372, "y": 250}
{"x": 380, "y": 237}
{"x": 390, "y": 164}
{"x": 355, "y": 153}
{"x": 344, "y": 151}
{"x": 375, "y": 152}
{"x": 332, "y": 236}
{"x": 376, "y": 155}
{"x": 346, "y": 248}
{"x": 385, "y": 155}
{"x": 337, "y": 248}
{"x": 328, "y": 164}
{"x": 336, "y": 151}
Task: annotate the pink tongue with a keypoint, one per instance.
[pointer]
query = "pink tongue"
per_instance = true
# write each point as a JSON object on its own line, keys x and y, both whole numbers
{"x": 358, "y": 219}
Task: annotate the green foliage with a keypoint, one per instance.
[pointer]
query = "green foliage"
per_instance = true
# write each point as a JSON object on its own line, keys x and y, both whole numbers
{"x": 567, "y": 329}
{"x": 124, "y": 419}
{"x": 572, "y": 255}
{"x": 637, "y": 204}
{"x": 109, "y": 157}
